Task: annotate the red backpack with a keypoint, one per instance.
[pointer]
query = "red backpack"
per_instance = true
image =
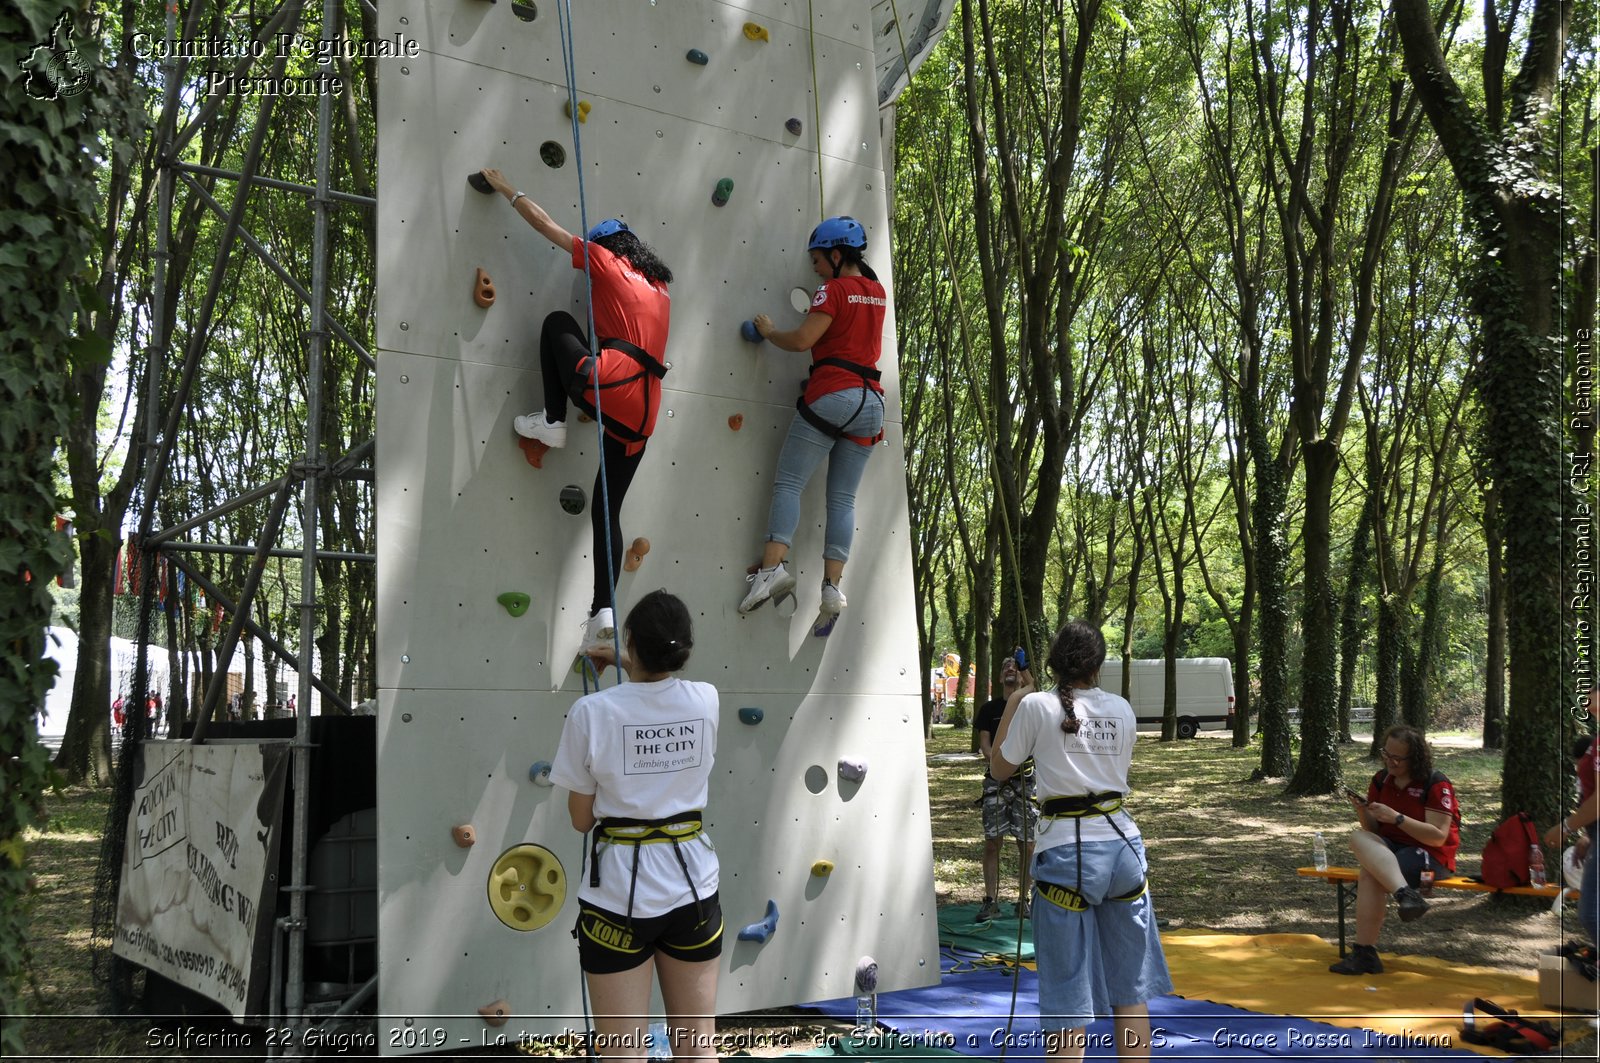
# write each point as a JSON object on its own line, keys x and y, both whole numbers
{"x": 1505, "y": 858}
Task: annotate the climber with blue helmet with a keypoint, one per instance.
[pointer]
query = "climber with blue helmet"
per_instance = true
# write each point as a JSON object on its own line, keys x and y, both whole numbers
{"x": 839, "y": 417}
{"x": 621, "y": 384}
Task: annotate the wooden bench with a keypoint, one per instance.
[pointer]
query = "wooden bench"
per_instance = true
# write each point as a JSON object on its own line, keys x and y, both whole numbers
{"x": 1344, "y": 885}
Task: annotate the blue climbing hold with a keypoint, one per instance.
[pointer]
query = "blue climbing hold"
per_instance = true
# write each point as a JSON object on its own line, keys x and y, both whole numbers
{"x": 748, "y": 331}
{"x": 750, "y": 716}
{"x": 539, "y": 773}
{"x": 697, "y": 57}
{"x": 763, "y": 930}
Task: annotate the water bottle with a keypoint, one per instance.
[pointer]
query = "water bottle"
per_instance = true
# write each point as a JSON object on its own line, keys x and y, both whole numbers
{"x": 866, "y": 1019}
{"x": 1536, "y": 865}
{"x": 1425, "y": 883}
{"x": 1319, "y": 852}
{"x": 660, "y": 1041}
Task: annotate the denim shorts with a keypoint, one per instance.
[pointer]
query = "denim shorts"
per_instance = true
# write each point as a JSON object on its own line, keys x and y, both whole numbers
{"x": 1109, "y": 953}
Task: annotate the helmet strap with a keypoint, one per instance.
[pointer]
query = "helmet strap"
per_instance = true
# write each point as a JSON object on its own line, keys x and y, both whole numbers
{"x": 836, "y": 260}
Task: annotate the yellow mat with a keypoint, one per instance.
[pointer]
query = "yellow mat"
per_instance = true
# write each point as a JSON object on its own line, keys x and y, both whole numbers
{"x": 1417, "y": 998}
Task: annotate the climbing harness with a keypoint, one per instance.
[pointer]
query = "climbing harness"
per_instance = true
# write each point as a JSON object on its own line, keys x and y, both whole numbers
{"x": 828, "y": 428}
{"x": 621, "y": 830}
{"x": 589, "y": 368}
{"x": 1075, "y": 807}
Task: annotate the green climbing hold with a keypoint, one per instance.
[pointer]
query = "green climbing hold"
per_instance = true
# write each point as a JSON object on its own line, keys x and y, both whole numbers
{"x": 515, "y": 602}
{"x": 750, "y": 716}
{"x": 723, "y": 191}
{"x": 697, "y": 57}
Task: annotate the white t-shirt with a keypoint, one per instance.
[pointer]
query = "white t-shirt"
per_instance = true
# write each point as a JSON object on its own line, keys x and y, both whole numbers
{"x": 1095, "y": 760}
{"x": 644, "y": 750}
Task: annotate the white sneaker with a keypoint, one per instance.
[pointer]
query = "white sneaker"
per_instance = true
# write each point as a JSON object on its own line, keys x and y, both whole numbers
{"x": 767, "y": 583}
{"x": 538, "y": 426}
{"x": 833, "y": 602}
{"x": 599, "y": 632}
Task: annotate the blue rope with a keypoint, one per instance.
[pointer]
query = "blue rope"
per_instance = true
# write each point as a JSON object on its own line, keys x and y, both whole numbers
{"x": 569, "y": 63}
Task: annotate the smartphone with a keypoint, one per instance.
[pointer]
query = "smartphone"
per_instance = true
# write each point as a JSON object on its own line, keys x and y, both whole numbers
{"x": 1020, "y": 655}
{"x": 1359, "y": 798}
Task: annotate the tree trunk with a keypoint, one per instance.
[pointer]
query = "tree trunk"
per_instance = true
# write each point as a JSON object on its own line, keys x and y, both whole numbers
{"x": 1318, "y": 768}
{"x": 1350, "y": 616}
{"x": 85, "y": 753}
{"x": 1494, "y": 668}
{"x": 1267, "y": 510}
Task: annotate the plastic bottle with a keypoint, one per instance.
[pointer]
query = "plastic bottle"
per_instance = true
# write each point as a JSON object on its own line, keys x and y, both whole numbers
{"x": 660, "y": 1042}
{"x": 1536, "y": 865}
{"x": 866, "y": 1018}
{"x": 1425, "y": 883}
{"x": 1319, "y": 852}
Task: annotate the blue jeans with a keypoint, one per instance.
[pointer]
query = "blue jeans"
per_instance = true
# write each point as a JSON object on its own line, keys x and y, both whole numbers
{"x": 1589, "y": 905}
{"x": 859, "y": 412}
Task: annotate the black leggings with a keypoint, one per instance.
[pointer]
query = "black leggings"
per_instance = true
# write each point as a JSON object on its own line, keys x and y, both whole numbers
{"x": 562, "y": 348}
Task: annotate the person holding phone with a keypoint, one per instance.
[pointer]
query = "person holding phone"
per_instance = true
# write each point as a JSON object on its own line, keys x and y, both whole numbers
{"x": 1410, "y": 823}
{"x": 1008, "y": 808}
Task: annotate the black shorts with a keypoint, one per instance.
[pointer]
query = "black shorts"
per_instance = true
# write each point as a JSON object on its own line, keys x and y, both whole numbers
{"x": 1414, "y": 860}
{"x": 607, "y": 944}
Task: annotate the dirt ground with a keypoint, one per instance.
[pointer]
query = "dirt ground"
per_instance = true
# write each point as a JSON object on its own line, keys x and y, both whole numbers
{"x": 1223, "y": 853}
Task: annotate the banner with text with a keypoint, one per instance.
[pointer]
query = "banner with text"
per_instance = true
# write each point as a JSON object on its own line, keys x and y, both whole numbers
{"x": 200, "y": 869}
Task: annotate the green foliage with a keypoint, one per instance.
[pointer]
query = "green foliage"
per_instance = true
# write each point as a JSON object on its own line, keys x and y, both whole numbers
{"x": 48, "y": 232}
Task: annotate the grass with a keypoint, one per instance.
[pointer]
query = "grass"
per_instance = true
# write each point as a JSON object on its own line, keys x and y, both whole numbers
{"x": 1223, "y": 852}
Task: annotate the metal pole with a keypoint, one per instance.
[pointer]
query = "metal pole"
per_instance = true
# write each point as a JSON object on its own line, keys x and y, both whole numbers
{"x": 273, "y": 182}
{"x": 296, "y": 995}
{"x": 230, "y": 548}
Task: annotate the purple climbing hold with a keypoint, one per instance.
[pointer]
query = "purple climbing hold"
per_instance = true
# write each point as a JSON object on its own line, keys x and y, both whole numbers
{"x": 852, "y": 770}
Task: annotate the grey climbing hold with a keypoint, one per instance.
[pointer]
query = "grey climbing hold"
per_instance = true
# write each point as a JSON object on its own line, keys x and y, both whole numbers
{"x": 480, "y": 183}
{"x": 750, "y": 716}
{"x": 866, "y": 975}
{"x": 573, "y": 499}
{"x": 765, "y": 928}
{"x": 851, "y": 769}
{"x": 697, "y": 57}
{"x": 793, "y": 126}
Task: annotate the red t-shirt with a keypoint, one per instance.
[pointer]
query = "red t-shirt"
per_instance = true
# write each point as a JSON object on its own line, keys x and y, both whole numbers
{"x": 1587, "y": 767}
{"x": 627, "y": 306}
{"x": 857, "y": 306}
{"x": 1413, "y": 802}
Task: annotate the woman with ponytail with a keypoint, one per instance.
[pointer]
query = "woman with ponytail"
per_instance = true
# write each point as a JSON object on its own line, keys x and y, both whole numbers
{"x": 1094, "y": 927}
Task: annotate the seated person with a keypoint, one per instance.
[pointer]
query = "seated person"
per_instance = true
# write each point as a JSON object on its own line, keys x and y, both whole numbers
{"x": 1410, "y": 823}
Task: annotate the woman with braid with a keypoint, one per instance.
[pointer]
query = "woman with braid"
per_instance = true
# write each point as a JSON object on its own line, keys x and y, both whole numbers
{"x": 1094, "y": 927}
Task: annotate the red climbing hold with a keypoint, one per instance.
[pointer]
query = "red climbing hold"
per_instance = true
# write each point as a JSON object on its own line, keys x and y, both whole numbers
{"x": 483, "y": 289}
{"x": 636, "y": 552}
{"x": 533, "y": 450}
{"x": 464, "y": 835}
{"x": 736, "y": 422}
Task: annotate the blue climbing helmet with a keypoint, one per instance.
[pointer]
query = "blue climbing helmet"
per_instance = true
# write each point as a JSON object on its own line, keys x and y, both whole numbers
{"x": 607, "y": 227}
{"x": 843, "y": 231}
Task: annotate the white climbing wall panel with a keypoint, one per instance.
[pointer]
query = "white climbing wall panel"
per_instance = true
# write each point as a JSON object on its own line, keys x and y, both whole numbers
{"x": 470, "y": 696}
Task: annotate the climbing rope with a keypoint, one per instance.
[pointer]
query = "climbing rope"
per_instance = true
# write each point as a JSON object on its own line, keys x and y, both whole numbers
{"x": 569, "y": 63}
{"x": 816, "y": 107}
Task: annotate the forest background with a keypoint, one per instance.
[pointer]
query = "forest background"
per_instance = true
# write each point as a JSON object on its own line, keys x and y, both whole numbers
{"x": 1240, "y": 328}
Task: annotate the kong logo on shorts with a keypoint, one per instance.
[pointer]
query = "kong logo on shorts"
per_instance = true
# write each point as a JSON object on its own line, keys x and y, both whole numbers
{"x": 605, "y": 933}
{"x": 651, "y": 749}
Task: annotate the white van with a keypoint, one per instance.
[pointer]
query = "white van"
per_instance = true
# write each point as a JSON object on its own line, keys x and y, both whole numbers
{"x": 1205, "y": 692}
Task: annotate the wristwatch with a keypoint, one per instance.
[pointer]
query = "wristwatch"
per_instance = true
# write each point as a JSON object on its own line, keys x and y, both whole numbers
{"x": 1399, "y": 818}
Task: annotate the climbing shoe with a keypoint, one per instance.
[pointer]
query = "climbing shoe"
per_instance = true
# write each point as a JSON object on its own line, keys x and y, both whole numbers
{"x": 540, "y": 427}
{"x": 1363, "y": 959}
{"x": 1412, "y": 906}
{"x": 767, "y": 583}
{"x": 599, "y": 632}
{"x": 988, "y": 911}
{"x": 832, "y": 600}
{"x": 1024, "y": 909}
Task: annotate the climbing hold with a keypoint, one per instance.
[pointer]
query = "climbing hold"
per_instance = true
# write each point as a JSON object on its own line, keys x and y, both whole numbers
{"x": 756, "y": 32}
{"x": 852, "y": 770}
{"x": 822, "y": 868}
{"x": 464, "y": 835}
{"x": 527, "y": 886}
{"x": 697, "y": 57}
{"x": 526, "y": 10}
{"x": 480, "y": 183}
{"x": 764, "y": 929}
{"x": 793, "y": 126}
{"x": 866, "y": 975}
{"x": 750, "y": 716}
{"x": 533, "y": 450}
{"x": 748, "y": 330}
{"x": 723, "y": 190}
{"x": 553, "y": 154}
{"x": 515, "y": 602}
{"x": 483, "y": 289}
{"x": 583, "y": 109}
{"x": 736, "y": 422}
{"x": 539, "y": 773}
{"x": 495, "y": 1014}
{"x": 584, "y": 418}
{"x": 572, "y": 499}
{"x": 636, "y": 552}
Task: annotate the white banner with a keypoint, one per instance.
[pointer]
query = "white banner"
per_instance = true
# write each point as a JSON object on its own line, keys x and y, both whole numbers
{"x": 200, "y": 865}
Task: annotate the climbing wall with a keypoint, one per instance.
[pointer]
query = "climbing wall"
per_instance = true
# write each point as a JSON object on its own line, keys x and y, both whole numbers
{"x": 478, "y": 862}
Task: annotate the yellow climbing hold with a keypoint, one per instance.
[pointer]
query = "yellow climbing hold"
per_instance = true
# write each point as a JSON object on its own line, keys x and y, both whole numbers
{"x": 822, "y": 868}
{"x": 527, "y": 887}
{"x": 583, "y": 110}
{"x": 756, "y": 32}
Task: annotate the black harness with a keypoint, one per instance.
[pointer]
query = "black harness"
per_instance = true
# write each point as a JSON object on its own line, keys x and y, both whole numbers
{"x": 620, "y": 830}
{"x": 649, "y": 365}
{"x": 1075, "y": 808}
{"x": 815, "y": 420}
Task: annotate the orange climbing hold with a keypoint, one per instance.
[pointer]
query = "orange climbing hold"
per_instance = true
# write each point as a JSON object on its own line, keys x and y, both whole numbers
{"x": 533, "y": 450}
{"x": 496, "y": 1014}
{"x": 464, "y": 835}
{"x": 483, "y": 289}
{"x": 636, "y": 552}
{"x": 736, "y": 422}
{"x": 756, "y": 32}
